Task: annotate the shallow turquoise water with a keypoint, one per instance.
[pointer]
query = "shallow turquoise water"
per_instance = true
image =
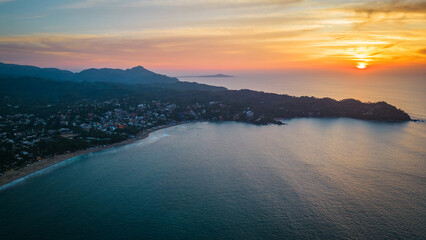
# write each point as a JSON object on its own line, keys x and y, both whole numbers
{"x": 313, "y": 178}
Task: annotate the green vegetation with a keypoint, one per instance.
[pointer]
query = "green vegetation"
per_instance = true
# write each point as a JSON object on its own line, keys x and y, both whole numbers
{"x": 40, "y": 118}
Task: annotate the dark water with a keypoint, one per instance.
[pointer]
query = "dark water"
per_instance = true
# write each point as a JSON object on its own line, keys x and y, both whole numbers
{"x": 311, "y": 179}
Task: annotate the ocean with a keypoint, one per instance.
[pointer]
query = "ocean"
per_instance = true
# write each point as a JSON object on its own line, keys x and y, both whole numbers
{"x": 405, "y": 91}
{"x": 310, "y": 179}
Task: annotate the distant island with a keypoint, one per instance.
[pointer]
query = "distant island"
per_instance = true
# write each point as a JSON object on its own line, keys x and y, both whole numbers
{"x": 44, "y": 114}
{"x": 220, "y": 75}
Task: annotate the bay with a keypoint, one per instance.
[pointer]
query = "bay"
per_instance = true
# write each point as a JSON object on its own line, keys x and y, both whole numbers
{"x": 313, "y": 178}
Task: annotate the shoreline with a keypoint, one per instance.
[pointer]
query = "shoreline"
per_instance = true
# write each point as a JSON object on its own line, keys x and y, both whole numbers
{"x": 13, "y": 175}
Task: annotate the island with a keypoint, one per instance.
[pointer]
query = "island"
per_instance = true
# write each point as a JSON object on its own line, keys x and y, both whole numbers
{"x": 219, "y": 75}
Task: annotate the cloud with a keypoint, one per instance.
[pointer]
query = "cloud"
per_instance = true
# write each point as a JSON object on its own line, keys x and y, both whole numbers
{"x": 383, "y": 14}
{"x": 237, "y": 33}
{"x": 243, "y": 48}
{"x": 422, "y": 51}
{"x": 391, "y": 45}
{"x": 31, "y": 17}
{"x": 392, "y": 6}
{"x": 89, "y": 4}
{"x": 179, "y": 3}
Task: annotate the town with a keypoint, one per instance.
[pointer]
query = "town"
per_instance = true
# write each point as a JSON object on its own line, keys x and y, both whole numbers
{"x": 41, "y": 118}
{"x": 29, "y": 137}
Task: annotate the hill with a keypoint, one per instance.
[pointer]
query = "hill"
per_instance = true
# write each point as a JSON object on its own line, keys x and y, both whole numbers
{"x": 15, "y": 70}
{"x": 41, "y": 118}
{"x": 30, "y": 92}
{"x": 136, "y": 75}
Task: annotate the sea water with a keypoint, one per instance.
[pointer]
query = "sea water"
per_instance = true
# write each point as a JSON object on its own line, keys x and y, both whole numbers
{"x": 310, "y": 179}
{"x": 405, "y": 91}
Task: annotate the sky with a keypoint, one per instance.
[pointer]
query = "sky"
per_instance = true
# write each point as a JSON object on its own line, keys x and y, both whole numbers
{"x": 352, "y": 35}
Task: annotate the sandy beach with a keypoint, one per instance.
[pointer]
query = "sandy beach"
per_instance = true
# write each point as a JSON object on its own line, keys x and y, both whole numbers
{"x": 12, "y": 175}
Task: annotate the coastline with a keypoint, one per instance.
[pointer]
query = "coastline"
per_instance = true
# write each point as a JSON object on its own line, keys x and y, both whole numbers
{"x": 14, "y": 175}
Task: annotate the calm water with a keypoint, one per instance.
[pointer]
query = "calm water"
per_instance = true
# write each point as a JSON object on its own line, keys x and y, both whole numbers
{"x": 310, "y": 179}
{"x": 407, "y": 91}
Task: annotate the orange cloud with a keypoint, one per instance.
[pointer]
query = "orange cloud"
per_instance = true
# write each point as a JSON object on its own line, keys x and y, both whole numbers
{"x": 246, "y": 35}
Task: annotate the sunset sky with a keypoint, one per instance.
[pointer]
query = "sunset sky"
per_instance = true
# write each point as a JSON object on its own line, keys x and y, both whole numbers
{"x": 214, "y": 34}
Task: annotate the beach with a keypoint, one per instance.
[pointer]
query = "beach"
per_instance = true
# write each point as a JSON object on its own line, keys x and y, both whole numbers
{"x": 13, "y": 175}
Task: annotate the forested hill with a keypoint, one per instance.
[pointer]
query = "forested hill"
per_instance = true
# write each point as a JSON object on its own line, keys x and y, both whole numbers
{"x": 28, "y": 94}
{"x": 41, "y": 118}
{"x": 136, "y": 75}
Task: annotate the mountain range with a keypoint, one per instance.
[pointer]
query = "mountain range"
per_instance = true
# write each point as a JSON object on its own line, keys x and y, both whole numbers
{"x": 136, "y": 75}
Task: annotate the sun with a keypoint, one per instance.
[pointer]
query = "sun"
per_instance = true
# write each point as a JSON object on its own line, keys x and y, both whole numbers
{"x": 361, "y": 65}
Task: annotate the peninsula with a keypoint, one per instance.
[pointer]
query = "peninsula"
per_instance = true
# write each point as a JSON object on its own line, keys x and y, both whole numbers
{"x": 42, "y": 118}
